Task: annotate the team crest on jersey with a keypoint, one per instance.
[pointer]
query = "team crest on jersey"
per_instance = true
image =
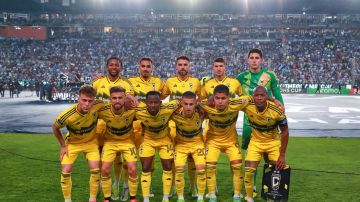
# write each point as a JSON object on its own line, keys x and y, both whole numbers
{"x": 197, "y": 122}
{"x": 163, "y": 119}
{"x": 126, "y": 119}
{"x": 153, "y": 86}
{"x": 268, "y": 119}
{"x": 94, "y": 115}
{"x": 191, "y": 85}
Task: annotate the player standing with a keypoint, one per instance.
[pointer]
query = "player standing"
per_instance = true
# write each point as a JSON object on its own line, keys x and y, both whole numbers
{"x": 154, "y": 119}
{"x": 118, "y": 140}
{"x": 102, "y": 86}
{"x": 80, "y": 120}
{"x": 250, "y": 79}
{"x": 189, "y": 141}
{"x": 175, "y": 87}
{"x": 265, "y": 117}
{"x": 222, "y": 137}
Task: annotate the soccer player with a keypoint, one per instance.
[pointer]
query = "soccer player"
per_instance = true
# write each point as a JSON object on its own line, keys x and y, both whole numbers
{"x": 222, "y": 136}
{"x": 250, "y": 79}
{"x": 118, "y": 140}
{"x": 154, "y": 119}
{"x": 189, "y": 141}
{"x": 80, "y": 120}
{"x": 143, "y": 83}
{"x": 265, "y": 117}
{"x": 207, "y": 89}
{"x": 102, "y": 86}
{"x": 175, "y": 87}
{"x": 219, "y": 68}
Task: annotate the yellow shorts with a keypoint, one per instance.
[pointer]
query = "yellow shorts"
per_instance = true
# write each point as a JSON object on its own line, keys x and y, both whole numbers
{"x": 195, "y": 149}
{"x": 137, "y": 137}
{"x": 91, "y": 151}
{"x": 172, "y": 127}
{"x": 163, "y": 145}
{"x": 231, "y": 149}
{"x": 100, "y": 131}
{"x": 126, "y": 148}
{"x": 256, "y": 150}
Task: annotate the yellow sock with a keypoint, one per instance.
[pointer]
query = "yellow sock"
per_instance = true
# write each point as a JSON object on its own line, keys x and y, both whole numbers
{"x": 94, "y": 181}
{"x": 66, "y": 185}
{"x": 237, "y": 178}
{"x": 106, "y": 186}
{"x": 191, "y": 172}
{"x": 249, "y": 181}
{"x": 117, "y": 167}
{"x": 167, "y": 181}
{"x": 133, "y": 185}
{"x": 201, "y": 181}
{"x": 179, "y": 181}
{"x": 211, "y": 177}
{"x": 145, "y": 183}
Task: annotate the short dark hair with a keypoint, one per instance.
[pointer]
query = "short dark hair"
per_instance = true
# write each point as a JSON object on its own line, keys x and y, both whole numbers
{"x": 87, "y": 90}
{"x": 219, "y": 60}
{"x": 221, "y": 89}
{"x": 153, "y": 93}
{"x": 183, "y": 57}
{"x": 255, "y": 50}
{"x": 113, "y": 58}
{"x": 146, "y": 59}
{"x": 117, "y": 89}
{"x": 189, "y": 94}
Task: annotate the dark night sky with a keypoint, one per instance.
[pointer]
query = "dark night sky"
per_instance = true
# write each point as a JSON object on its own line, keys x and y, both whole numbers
{"x": 187, "y": 6}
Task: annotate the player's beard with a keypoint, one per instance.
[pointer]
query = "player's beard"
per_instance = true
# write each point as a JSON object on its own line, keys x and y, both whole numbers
{"x": 183, "y": 72}
{"x": 118, "y": 107}
{"x": 114, "y": 73}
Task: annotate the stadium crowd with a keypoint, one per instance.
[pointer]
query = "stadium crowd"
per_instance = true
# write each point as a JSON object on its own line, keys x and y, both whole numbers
{"x": 296, "y": 55}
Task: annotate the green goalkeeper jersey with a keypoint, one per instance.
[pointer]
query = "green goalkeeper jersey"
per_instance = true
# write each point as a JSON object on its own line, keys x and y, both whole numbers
{"x": 249, "y": 81}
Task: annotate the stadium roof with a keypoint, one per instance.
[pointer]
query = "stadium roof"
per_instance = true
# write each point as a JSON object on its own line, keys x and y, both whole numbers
{"x": 186, "y": 6}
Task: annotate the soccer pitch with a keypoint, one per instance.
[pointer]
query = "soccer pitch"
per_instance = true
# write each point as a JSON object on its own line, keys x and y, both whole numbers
{"x": 323, "y": 169}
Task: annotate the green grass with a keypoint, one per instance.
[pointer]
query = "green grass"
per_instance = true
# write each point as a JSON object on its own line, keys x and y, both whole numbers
{"x": 31, "y": 179}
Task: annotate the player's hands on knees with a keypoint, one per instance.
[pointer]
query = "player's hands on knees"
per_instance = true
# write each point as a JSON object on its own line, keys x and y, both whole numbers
{"x": 281, "y": 162}
{"x": 63, "y": 151}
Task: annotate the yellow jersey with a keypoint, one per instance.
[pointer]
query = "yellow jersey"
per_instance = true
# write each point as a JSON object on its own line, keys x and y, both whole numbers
{"x": 103, "y": 85}
{"x": 81, "y": 127}
{"x": 176, "y": 87}
{"x": 265, "y": 124}
{"x": 187, "y": 129}
{"x": 208, "y": 88}
{"x": 222, "y": 124}
{"x": 118, "y": 126}
{"x": 156, "y": 126}
{"x": 141, "y": 86}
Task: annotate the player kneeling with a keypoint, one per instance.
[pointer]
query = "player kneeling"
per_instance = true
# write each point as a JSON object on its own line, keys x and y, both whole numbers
{"x": 118, "y": 140}
{"x": 265, "y": 118}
